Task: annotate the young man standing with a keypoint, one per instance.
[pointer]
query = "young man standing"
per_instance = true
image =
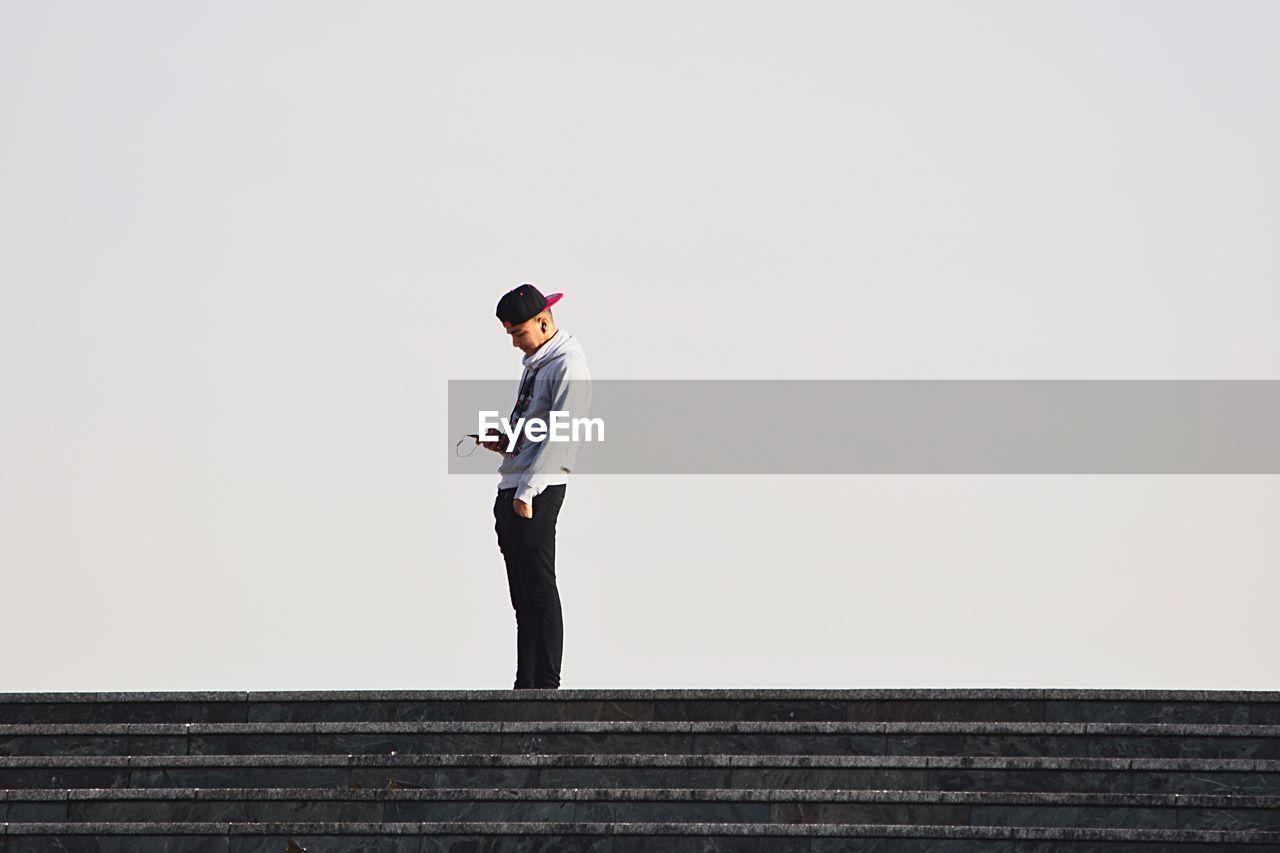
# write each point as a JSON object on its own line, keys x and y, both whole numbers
{"x": 534, "y": 477}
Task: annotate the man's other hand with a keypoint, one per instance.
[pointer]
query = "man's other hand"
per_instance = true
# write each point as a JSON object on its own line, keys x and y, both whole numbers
{"x": 523, "y": 509}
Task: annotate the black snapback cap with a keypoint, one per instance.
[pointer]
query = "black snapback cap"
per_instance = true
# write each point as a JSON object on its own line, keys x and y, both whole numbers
{"x": 521, "y": 303}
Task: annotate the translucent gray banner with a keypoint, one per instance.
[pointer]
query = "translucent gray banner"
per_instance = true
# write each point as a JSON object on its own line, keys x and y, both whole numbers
{"x": 819, "y": 426}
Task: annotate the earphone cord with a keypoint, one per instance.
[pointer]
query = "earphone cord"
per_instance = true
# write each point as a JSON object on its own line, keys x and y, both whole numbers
{"x": 515, "y": 413}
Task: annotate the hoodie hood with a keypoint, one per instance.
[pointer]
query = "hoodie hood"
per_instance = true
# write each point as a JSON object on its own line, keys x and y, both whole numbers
{"x": 560, "y": 343}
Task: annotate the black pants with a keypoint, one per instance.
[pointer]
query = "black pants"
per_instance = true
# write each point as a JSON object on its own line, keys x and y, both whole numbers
{"x": 528, "y": 546}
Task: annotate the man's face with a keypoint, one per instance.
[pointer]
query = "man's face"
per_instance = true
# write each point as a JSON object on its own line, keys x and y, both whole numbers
{"x": 528, "y": 336}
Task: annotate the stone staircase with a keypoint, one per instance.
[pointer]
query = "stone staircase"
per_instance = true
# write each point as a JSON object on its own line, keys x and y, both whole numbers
{"x": 623, "y": 771}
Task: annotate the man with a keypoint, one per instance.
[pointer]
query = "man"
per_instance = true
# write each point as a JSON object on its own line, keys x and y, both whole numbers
{"x": 534, "y": 477}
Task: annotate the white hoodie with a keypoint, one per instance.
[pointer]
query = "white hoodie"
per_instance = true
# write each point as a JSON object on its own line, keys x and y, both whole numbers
{"x": 557, "y": 372}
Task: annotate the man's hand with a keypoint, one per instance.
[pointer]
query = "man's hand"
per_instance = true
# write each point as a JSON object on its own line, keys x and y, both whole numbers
{"x": 523, "y": 509}
{"x": 493, "y": 442}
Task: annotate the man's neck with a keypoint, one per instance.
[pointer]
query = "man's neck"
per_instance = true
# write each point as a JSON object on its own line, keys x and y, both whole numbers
{"x": 547, "y": 341}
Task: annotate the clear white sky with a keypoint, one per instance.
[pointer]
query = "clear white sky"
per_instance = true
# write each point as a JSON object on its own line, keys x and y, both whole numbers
{"x": 246, "y": 244}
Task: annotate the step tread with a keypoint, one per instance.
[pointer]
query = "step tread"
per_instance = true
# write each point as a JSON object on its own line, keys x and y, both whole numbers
{"x": 1251, "y": 836}
{"x": 802, "y": 795}
{"x": 640, "y": 760}
{"x": 646, "y": 726}
{"x": 696, "y": 694}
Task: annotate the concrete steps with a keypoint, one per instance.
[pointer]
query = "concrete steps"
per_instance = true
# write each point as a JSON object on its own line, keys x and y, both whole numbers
{"x": 644, "y": 737}
{"x": 767, "y": 770}
{"x": 698, "y": 805}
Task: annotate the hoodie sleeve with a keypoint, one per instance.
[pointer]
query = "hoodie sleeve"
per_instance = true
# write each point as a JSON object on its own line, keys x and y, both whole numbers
{"x": 571, "y": 394}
